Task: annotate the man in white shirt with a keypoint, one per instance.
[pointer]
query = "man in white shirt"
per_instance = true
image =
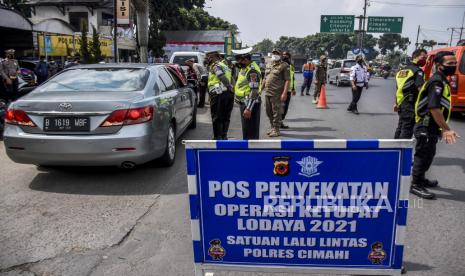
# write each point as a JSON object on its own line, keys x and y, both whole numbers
{"x": 359, "y": 79}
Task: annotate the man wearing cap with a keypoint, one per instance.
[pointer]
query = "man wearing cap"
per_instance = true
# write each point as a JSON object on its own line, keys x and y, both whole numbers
{"x": 247, "y": 92}
{"x": 221, "y": 95}
{"x": 10, "y": 71}
{"x": 320, "y": 78}
{"x": 276, "y": 85}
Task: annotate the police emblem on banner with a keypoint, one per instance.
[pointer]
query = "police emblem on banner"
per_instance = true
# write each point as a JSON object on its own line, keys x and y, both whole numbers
{"x": 377, "y": 254}
{"x": 216, "y": 251}
{"x": 309, "y": 166}
{"x": 281, "y": 165}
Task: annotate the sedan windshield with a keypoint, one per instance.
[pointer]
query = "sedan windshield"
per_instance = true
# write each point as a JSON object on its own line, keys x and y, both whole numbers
{"x": 98, "y": 80}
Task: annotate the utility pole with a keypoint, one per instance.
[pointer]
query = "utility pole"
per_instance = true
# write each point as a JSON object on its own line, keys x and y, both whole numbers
{"x": 363, "y": 24}
{"x": 418, "y": 34}
{"x": 115, "y": 31}
{"x": 451, "y": 35}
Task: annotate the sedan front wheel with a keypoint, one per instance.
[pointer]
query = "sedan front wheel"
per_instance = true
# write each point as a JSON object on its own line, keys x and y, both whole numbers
{"x": 170, "y": 151}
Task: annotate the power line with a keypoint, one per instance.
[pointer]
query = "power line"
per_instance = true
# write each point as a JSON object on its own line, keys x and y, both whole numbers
{"x": 447, "y": 6}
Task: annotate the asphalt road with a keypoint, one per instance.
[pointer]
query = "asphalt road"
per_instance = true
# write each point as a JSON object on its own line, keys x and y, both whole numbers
{"x": 104, "y": 221}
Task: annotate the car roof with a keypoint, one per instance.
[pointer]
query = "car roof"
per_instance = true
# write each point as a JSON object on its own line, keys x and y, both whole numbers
{"x": 117, "y": 65}
{"x": 187, "y": 53}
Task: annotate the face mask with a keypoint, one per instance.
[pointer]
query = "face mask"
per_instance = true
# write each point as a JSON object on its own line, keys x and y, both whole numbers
{"x": 275, "y": 57}
{"x": 421, "y": 62}
{"x": 360, "y": 61}
{"x": 449, "y": 70}
{"x": 286, "y": 59}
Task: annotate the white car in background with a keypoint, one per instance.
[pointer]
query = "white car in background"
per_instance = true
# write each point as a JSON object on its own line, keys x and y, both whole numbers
{"x": 181, "y": 57}
{"x": 339, "y": 73}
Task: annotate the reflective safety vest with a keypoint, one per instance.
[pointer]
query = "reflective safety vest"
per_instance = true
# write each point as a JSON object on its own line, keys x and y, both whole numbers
{"x": 213, "y": 78}
{"x": 405, "y": 84}
{"x": 292, "y": 81}
{"x": 421, "y": 106}
{"x": 242, "y": 88}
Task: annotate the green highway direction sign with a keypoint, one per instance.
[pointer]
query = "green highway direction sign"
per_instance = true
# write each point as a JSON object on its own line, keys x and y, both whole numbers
{"x": 337, "y": 24}
{"x": 383, "y": 24}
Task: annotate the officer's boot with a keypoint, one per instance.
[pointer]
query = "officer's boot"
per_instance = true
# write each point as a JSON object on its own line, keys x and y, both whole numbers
{"x": 420, "y": 191}
{"x": 430, "y": 183}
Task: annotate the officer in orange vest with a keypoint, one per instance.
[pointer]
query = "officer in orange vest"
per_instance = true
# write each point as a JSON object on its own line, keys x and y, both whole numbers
{"x": 307, "y": 70}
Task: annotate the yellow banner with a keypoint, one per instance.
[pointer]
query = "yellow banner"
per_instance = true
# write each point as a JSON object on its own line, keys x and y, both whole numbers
{"x": 68, "y": 45}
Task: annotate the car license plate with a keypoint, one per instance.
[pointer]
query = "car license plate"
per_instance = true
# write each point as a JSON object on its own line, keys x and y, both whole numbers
{"x": 66, "y": 124}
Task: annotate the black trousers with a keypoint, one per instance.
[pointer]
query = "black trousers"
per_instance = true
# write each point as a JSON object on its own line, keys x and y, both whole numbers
{"x": 286, "y": 105}
{"x": 11, "y": 91}
{"x": 406, "y": 120}
{"x": 202, "y": 93}
{"x": 221, "y": 107}
{"x": 425, "y": 150}
{"x": 251, "y": 127}
{"x": 356, "y": 94}
{"x": 306, "y": 85}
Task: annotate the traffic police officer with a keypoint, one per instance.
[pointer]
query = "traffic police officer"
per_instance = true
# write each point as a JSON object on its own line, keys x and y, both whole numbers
{"x": 359, "y": 79}
{"x": 221, "y": 95}
{"x": 291, "y": 91}
{"x": 10, "y": 71}
{"x": 432, "y": 111}
{"x": 409, "y": 82}
{"x": 247, "y": 91}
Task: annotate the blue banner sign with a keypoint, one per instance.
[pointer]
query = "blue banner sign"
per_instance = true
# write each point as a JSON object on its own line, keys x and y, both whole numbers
{"x": 299, "y": 205}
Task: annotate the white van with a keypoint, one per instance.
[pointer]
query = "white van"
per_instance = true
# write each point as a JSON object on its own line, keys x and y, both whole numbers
{"x": 181, "y": 57}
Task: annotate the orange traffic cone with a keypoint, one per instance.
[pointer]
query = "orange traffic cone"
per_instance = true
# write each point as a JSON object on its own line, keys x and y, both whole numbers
{"x": 322, "y": 99}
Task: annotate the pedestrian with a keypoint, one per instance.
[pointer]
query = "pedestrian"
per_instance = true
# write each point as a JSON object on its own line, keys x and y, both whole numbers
{"x": 247, "y": 93}
{"x": 359, "y": 80}
{"x": 10, "y": 72}
{"x": 52, "y": 68}
{"x": 69, "y": 60}
{"x": 41, "y": 70}
{"x": 409, "y": 82}
{"x": 221, "y": 95}
{"x": 276, "y": 86}
{"x": 320, "y": 78}
{"x": 307, "y": 70}
{"x": 432, "y": 110}
{"x": 291, "y": 90}
{"x": 201, "y": 76}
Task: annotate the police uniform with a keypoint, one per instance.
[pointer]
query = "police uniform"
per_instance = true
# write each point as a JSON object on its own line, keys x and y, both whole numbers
{"x": 276, "y": 76}
{"x": 221, "y": 99}
{"x": 434, "y": 94}
{"x": 247, "y": 95}
{"x": 320, "y": 77}
{"x": 10, "y": 70}
{"x": 409, "y": 82}
{"x": 359, "y": 75}
{"x": 289, "y": 93}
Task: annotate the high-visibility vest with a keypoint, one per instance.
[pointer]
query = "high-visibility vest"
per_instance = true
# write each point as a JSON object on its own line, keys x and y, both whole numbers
{"x": 292, "y": 81}
{"x": 421, "y": 106}
{"x": 405, "y": 80}
{"x": 242, "y": 88}
{"x": 213, "y": 78}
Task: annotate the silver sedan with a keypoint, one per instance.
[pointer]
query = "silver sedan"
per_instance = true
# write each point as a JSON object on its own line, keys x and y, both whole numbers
{"x": 101, "y": 115}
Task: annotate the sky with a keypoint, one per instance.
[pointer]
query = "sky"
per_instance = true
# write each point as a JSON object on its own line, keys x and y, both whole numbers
{"x": 259, "y": 19}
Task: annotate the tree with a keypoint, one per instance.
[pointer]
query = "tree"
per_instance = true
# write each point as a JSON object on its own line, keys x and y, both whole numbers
{"x": 265, "y": 46}
{"x": 84, "y": 45}
{"x": 95, "y": 51}
{"x": 391, "y": 42}
{"x": 173, "y": 15}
